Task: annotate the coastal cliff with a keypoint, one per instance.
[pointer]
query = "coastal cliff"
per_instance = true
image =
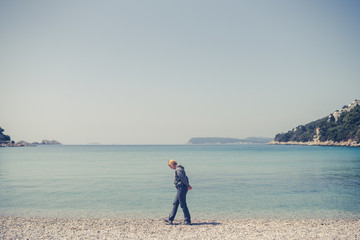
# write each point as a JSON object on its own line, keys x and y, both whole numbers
{"x": 341, "y": 128}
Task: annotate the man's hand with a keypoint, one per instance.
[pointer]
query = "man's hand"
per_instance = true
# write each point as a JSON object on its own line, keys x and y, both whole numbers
{"x": 189, "y": 187}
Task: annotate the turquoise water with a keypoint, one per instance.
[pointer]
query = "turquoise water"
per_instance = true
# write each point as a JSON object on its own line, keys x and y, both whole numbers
{"x": 229, "y": 181}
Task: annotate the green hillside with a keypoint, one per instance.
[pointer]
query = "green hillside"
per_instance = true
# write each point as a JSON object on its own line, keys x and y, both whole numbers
{"x": 341, "y": 126}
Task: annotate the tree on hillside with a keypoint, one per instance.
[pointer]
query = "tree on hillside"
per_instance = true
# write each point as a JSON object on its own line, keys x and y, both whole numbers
{"x": 4, "y": 138}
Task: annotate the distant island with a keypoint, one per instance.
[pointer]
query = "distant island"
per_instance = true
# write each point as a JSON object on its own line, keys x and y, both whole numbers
{"x": 341, "y": 128}
{"x": 5, "y": 141}
{"x": 47, "y": 142}
{"x": 223, "y": 140}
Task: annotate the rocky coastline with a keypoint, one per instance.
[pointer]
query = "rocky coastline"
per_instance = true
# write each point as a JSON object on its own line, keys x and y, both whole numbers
{"x": 348, "y": 143}
{"x": 27, "y": 144}
{"x": 17, "y": 144}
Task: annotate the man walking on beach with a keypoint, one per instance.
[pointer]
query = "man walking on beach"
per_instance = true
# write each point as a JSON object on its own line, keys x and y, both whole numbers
{"x": 182, "y": 185}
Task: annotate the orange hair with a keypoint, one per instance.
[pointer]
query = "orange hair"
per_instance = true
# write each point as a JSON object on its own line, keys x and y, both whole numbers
{"x": 172, "y": 162}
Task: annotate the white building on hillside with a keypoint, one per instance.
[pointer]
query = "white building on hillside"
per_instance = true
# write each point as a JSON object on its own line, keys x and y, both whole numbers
{"x": 338, "y": 113}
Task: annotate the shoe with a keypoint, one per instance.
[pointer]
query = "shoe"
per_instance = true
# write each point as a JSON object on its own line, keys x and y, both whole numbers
{"x": 187, "y": 223}
{"x": 168, "y": 221}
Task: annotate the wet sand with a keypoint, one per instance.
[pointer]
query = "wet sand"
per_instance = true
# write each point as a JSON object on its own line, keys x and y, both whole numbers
{"x": 104, "y": 228}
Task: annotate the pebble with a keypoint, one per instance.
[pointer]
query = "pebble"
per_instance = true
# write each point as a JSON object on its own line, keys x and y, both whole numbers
{"x": 104, "y": 228}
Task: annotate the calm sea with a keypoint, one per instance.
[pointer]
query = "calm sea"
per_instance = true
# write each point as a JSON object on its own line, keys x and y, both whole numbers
{"x": 229, "y": 181}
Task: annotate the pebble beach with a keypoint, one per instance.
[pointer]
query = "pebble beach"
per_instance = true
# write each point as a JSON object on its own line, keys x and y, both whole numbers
{"x": 105, "y": 228}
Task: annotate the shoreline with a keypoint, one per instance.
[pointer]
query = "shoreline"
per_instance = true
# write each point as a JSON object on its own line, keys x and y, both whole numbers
{"x": 106, "y": 228}
{"x": 327, "y": 143}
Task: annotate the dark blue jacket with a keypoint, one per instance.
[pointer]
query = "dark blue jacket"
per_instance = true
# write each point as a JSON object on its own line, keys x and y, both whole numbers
{"x": 180, "y": 177}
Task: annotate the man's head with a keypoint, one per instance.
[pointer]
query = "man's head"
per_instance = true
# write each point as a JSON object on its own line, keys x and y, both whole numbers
{"x": 172, "y": 164}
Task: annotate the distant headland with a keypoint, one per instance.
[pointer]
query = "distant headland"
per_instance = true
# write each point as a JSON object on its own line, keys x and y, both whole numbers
{"x": 341, "y": 128}
{"x": 223, "y": 140}
{"x": 5, "y": 141}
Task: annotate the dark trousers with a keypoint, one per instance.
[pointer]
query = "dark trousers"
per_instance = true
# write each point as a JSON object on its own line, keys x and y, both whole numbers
{"x": 180, "y": 198}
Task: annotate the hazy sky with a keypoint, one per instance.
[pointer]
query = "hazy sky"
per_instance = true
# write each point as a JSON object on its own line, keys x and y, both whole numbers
{"x": 161, "y": 72}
